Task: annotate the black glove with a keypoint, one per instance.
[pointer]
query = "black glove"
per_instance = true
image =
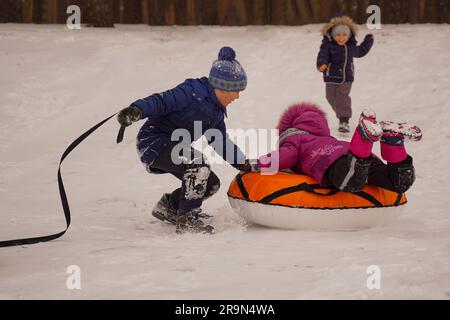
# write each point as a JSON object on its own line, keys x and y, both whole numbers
{"x": 368, "y": 37}
{"x": 129, "y": 115}
{"x": 247, "y": 166}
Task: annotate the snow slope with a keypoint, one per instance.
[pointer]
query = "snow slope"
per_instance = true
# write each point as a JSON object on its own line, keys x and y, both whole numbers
{"x": 56, "y": 83}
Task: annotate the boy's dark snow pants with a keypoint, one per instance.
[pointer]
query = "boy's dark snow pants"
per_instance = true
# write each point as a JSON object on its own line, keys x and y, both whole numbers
{"x": 350, "y": 173}
{"x": 198, "y": 182}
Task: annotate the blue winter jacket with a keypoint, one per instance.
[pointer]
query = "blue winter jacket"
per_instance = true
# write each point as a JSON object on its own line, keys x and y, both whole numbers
{"x": 178, "y": 108}
{"x": 339, "y": 59}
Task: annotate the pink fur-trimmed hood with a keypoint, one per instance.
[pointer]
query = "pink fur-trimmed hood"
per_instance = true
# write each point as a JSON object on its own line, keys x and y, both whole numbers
{"x": 305, "y": 116}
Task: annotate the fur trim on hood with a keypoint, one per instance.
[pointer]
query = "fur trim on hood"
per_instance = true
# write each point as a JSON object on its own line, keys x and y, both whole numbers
{"x": 339, "y": 20}
{"x": 306, "y": 116}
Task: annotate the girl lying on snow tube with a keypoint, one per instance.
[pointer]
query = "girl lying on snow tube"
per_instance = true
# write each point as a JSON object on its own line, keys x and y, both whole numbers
{"x": 307, "y": 147}
{"x": 323, "y": 162}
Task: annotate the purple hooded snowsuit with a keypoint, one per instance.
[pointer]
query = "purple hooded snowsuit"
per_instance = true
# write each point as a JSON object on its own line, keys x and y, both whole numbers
{"x": 310, "y": 153}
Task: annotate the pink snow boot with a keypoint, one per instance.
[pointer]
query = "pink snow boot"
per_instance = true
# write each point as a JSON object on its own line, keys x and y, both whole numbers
{"x": 401, "y": 130}
{"x": 366, "y": 133}
{"x": 393, "y": 138}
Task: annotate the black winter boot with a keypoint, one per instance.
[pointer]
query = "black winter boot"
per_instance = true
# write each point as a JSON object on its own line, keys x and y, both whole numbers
{"x": 344, "y": 127}
{"x": 164, "y": 211}
{"x": 192, "y": 222}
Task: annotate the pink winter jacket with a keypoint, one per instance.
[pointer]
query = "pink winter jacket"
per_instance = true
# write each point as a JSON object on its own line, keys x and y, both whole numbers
{"x": 310, "y": 153}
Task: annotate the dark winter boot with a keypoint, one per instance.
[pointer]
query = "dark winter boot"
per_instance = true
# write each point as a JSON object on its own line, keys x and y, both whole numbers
{"x": 164, "y": 211}
{"x": 344, "y": 127}
{"x": 192, "y": 222}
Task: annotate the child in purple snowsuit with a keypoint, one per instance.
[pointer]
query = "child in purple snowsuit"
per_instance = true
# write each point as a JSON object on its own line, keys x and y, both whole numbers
{"x": 307, "y": 147}
{"x": 335, "y": 61}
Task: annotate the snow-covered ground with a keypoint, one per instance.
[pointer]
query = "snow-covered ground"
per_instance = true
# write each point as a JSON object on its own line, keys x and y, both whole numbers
{"x": 56, "y": 83}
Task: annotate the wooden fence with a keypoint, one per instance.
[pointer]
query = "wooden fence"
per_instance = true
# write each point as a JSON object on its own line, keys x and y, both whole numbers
{"x": 222, "y": 12}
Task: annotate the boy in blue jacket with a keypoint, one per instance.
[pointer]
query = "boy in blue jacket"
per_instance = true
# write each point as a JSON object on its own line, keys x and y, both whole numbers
{"x": 335, "y": 60}
{"x": 195, "y": 101}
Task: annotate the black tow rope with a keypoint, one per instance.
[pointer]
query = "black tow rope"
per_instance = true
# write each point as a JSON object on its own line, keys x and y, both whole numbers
{"x": 62, "y": 192}
{"x": 120, "y": 134}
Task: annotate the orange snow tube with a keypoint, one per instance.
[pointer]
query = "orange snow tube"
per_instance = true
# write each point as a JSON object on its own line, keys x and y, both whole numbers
{"x": 294, "y": 201}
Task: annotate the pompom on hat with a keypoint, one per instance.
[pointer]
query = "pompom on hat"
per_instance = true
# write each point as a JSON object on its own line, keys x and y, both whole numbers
{"x": 226, "y": 73}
